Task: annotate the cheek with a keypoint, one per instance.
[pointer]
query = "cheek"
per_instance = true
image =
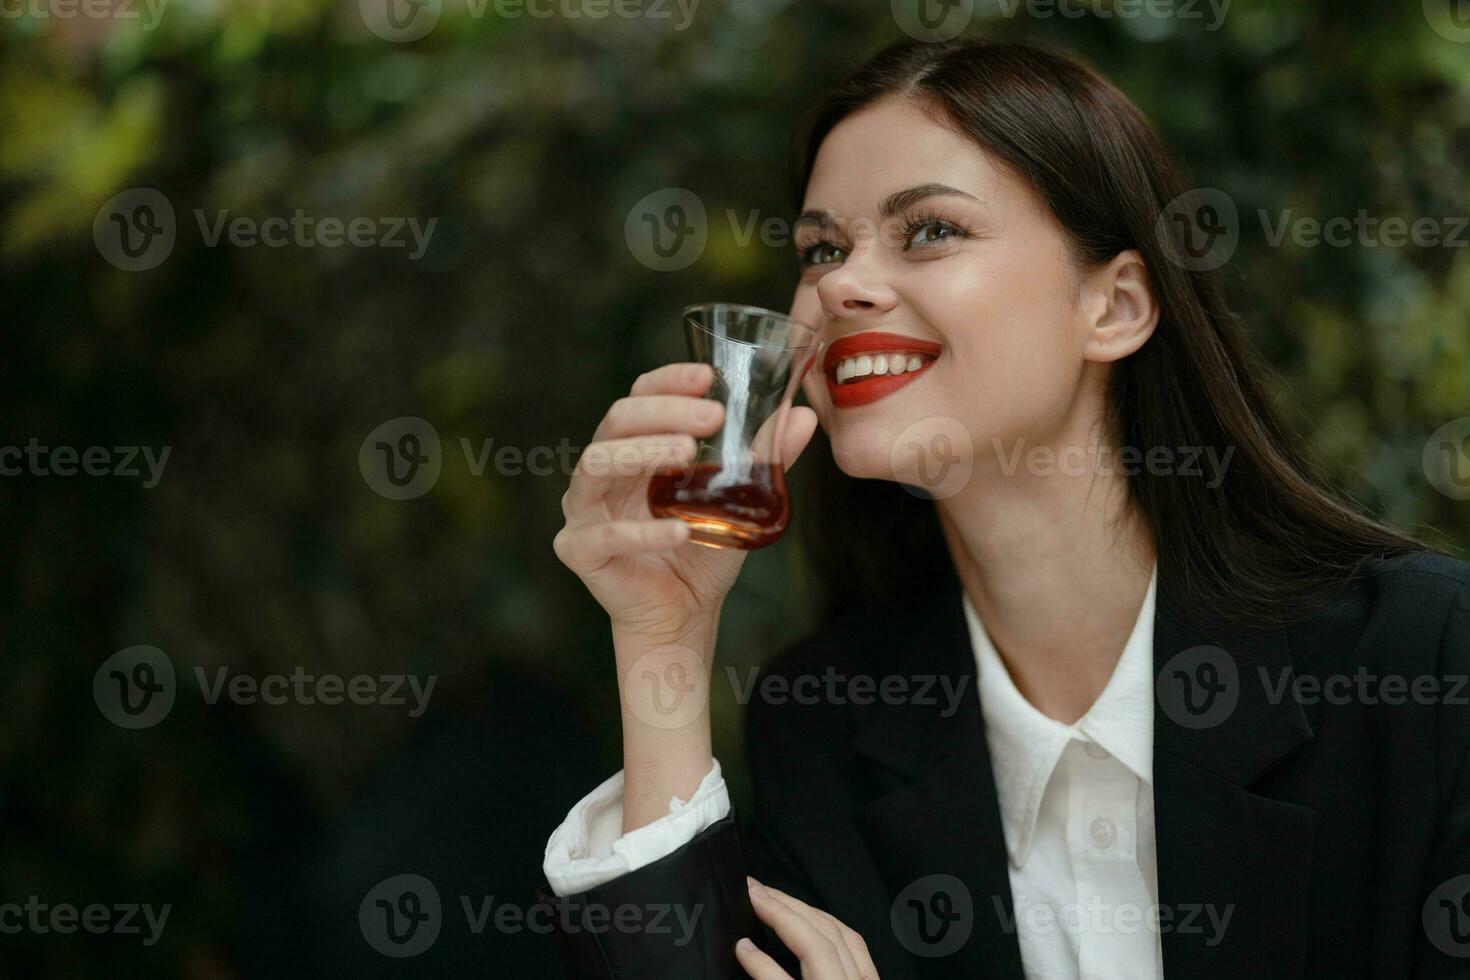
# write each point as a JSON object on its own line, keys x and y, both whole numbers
{"x": 1012, "y": 336}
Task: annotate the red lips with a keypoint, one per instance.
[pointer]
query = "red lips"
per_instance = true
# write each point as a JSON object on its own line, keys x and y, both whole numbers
{"x": 873, "y": 387}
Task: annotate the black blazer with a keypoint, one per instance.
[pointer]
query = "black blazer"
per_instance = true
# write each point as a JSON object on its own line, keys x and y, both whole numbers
{"x": 1332, "y": 823}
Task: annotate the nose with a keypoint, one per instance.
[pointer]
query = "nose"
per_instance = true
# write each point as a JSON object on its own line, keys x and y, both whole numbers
{"x": 856, "y": 290}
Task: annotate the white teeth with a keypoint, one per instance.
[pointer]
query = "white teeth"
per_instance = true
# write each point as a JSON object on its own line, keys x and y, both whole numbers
{"x": 876, "y": 364}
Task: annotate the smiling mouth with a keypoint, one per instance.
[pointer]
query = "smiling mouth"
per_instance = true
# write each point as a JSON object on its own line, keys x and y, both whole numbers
{"x": 862, "y": 368}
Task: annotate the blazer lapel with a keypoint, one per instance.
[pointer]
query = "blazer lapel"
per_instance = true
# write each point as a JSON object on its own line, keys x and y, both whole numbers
{"x": 935, "y": 826}
{"x": 1234, "y": 867}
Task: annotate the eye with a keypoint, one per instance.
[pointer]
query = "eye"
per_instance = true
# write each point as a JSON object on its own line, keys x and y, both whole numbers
{"x": 818, "y": 253}
{"x": 930, "y": 230}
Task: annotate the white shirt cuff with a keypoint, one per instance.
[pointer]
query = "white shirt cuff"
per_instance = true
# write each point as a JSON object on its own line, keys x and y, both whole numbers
{"x": 587, "y": 849}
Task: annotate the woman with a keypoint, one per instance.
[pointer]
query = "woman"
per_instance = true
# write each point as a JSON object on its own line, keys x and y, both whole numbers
{"x": 1168, "y": 723}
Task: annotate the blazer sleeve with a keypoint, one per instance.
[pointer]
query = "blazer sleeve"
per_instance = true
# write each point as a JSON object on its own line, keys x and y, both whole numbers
{"x": 701, "y": 886}
{"x": 683, "y": 915}
{"x": 1443, "y": 946}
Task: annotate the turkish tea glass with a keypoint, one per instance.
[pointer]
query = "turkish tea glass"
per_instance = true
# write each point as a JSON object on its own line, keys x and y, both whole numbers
{"x": 733, "y": 495}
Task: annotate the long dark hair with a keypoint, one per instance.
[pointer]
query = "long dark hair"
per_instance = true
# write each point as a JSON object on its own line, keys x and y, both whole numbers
{"x": 1269, "y": 543}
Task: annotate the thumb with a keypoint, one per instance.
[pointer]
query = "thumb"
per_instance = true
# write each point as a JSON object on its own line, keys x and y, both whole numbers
{"x": 801, "y": 424}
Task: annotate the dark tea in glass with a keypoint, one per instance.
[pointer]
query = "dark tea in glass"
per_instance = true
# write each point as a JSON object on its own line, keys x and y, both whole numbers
{"x": 734, "y": 493}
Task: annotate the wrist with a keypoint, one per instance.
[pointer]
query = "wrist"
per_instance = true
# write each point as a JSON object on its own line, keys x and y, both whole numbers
{"x": 631, "y": 643}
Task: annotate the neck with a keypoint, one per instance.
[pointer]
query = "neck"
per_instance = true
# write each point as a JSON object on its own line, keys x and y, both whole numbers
{"x": 1056, "y": 563}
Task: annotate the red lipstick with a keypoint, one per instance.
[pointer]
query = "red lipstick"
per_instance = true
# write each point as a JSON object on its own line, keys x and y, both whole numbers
{"x": 868, "y": 389}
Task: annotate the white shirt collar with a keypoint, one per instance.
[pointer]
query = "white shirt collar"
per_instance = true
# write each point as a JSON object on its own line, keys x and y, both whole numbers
{"x": 1026, "y": 744}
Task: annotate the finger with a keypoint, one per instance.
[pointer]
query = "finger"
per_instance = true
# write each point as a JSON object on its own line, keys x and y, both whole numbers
{"x": 682, "y": 378}
{"x": 855, "y": 943}
{"x": 799, "y": 422}
{"x": 603, "y": 464}
{"x": 586, "y": 549}
{"x": 758, "y": 964}
{"x": 801, "y": 425}
{"x": 828, "y": 925}
{"x": 819, "y": 957}
{"x": 641, "y": 415}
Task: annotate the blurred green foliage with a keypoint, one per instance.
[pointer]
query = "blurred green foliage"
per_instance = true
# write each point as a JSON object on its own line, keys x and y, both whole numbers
{"x": 529, "y": 140}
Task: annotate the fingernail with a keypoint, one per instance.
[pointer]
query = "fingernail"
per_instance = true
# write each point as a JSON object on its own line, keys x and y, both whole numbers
{"x": 756, "y": 888}
{"x": 709, "y": 411}
{"x": 745, "y": 946}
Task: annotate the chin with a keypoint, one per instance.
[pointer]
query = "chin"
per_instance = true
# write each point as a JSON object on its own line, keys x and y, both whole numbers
{"x": 863, "y": 451}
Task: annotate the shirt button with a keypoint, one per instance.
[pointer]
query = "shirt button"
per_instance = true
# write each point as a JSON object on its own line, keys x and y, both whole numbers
{"x": 1102, "y": 831}
{"x": 1095, "y": 750}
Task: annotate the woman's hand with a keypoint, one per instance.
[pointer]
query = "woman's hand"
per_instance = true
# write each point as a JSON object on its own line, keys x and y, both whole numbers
{"x": 662, "y": 593}
{"x": 635, "y": 565}
{"x": 827, "y": 949}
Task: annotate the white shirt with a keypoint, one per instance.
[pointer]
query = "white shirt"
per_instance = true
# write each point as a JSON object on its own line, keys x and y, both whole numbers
{"x": 1076, "y": 805}
{"x": 1077, "y": 810}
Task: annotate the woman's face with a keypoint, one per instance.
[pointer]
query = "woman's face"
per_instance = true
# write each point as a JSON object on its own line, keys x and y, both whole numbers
{"x": 931, "y": 241}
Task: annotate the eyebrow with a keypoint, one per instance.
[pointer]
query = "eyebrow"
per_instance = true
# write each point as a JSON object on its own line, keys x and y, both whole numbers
{"x": 892, "y": 204}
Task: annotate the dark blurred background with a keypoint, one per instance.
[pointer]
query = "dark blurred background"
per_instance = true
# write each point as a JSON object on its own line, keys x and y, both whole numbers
{"x": 497, "y": 161}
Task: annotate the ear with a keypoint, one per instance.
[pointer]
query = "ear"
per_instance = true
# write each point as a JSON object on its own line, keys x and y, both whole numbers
{"x": 1118, "y": 308}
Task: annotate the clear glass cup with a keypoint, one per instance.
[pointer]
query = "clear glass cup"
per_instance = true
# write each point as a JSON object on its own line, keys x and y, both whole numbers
{"x": 734, "y": 493}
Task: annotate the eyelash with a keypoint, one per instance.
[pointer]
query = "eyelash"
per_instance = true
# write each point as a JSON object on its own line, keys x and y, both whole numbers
{"x": 916, "y": 223}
